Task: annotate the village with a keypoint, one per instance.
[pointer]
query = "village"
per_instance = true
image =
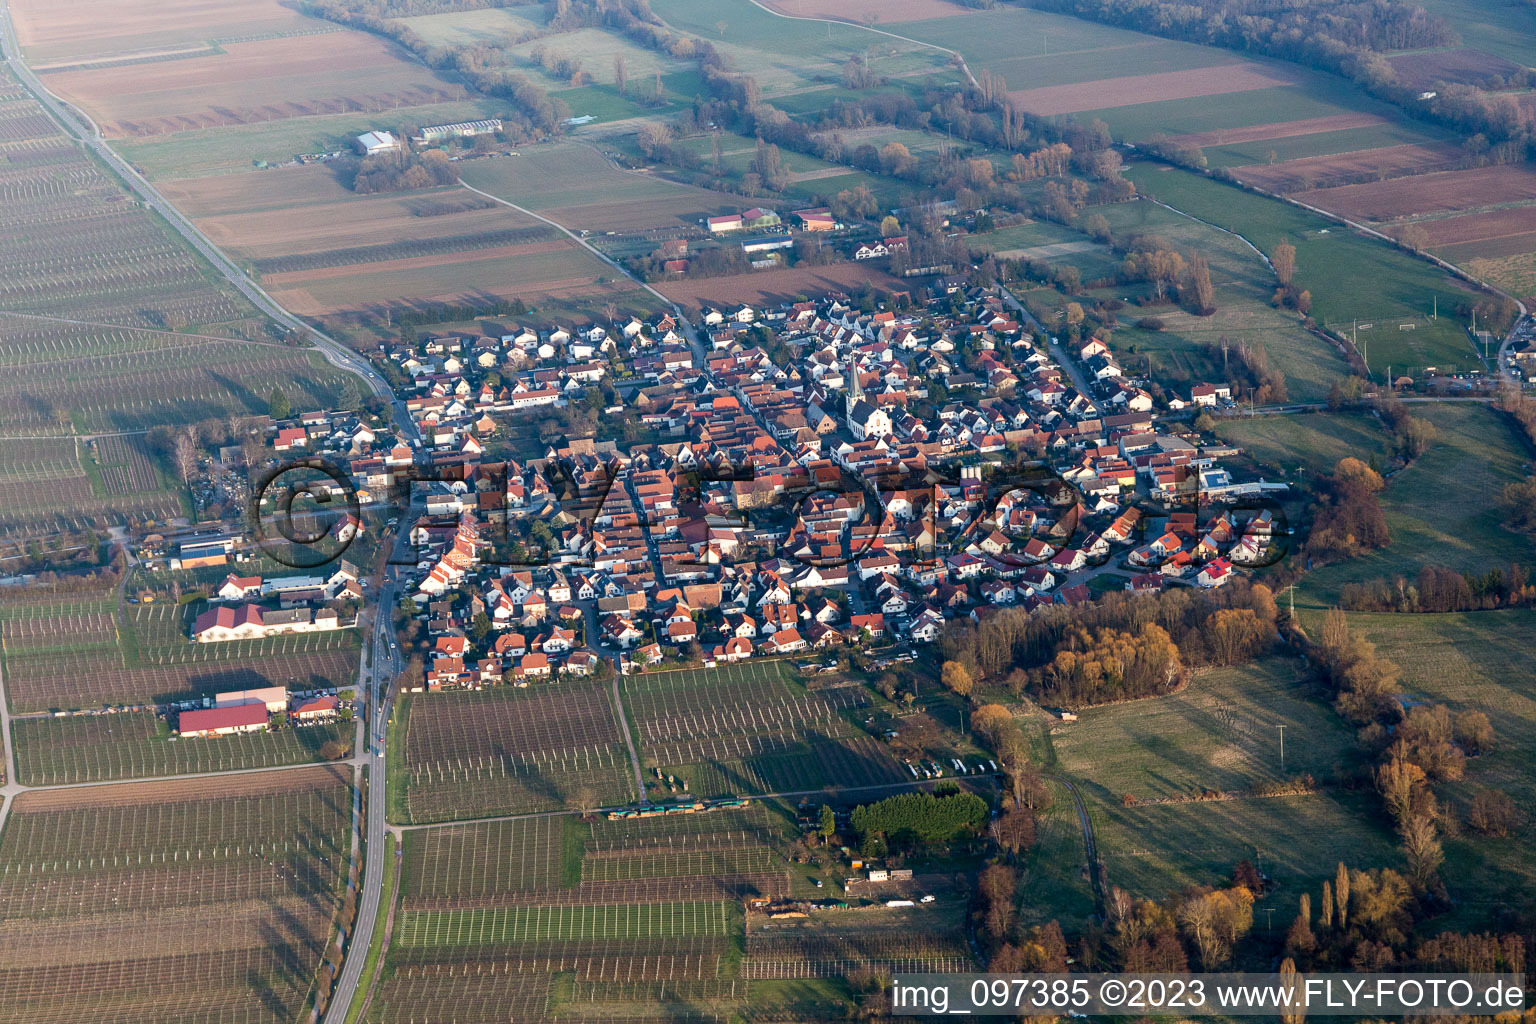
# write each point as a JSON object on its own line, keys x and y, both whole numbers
{"x": 861, "y": 485}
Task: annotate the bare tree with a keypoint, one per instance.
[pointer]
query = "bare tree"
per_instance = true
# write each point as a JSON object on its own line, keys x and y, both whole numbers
{"x": 184, "y": 454}
{"x": 1284, "y": 259}
{"x": 620, "y": 79}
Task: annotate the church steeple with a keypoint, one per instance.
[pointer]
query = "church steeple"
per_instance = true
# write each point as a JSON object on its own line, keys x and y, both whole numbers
{"x": 855, "y": 392}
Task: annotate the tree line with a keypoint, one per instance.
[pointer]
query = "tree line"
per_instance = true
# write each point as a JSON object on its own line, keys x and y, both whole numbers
{"x": 1121, "y": 647}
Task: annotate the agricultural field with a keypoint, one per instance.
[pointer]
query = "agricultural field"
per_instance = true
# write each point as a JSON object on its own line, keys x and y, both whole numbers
{"x": 1317, "y": 173}
{"x": 100, "y": 748}
{"x": 107, "y": 323}
{"x": 177, "y": 902}
{"x": 634, "y": 914}
{"x": 750, "y": 730}
{"x": 253, "y": 82}
{"x": 109, "y": 30}
{"x": 492, "y": 27}
{"x": 204, "y": 152}
{"x": 930, "y": 939}
{"x": 470, "y": 754}
{"x": 769, "y": 287}
{"x": 576, "y": 186}
{"x": 1501, "y": 27}
{"x": 142, "y": 654}
{"x": 1444, "y": 508}
{"x": 788, "y": 56}
{"x": 1175, "y": 355}
{"x": 868, "y": 12}
{"x": 1351, "y": 278}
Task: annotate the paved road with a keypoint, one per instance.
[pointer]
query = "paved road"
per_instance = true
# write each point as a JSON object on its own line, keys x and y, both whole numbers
{"x": 1069, "y": 364}
{"x": 376, "y": 680}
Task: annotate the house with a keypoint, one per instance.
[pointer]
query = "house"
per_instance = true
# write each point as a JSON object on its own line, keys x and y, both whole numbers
{"x": 316, "y": 709}
{"x": 1217, "y": 572}
{"x": 737, "y": 648}
{"x": 225, "y": 721}
{"x": 729, "y": 222}
{"x": 237, "y": 622}
{"x": 874, "y": 623}
{"x": 682, "y": 631}
{"x": 238, "y": 588}
{"x": 1209, "y": 394}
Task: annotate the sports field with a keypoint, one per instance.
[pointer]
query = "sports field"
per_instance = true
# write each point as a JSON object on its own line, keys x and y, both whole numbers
{"x": 1350, "y": 277}
{"x": 1244, "y": 286}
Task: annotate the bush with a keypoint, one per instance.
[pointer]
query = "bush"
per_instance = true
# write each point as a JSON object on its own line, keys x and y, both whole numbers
{"x": 1150, "y": 323}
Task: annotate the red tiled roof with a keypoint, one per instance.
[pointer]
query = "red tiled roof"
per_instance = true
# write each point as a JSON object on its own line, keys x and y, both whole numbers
{"x": 232, "y": 717}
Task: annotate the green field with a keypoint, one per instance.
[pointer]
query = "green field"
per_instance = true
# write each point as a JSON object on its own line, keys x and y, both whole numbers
{"x": 1310, "y": 442}
{"x": 495, "y": 26}
{"x": 1443, "y": 509}
{"x": 208, "y": 151}
{"x": 1298, "y": 147}
{"x": 1221, "y": 733}
{"x": 98, "y": 748}
{"x": 1351, "y": 278}
{"x": 1318, "y": 96}
{"x": 564, "y": 923}
{"x": 1031, "y": 49}
{"x": 565, "y": 175}
{"x": 1502, "y": 27}
{"x": 1244, "y": 286}
{"x": 786, "y": 55}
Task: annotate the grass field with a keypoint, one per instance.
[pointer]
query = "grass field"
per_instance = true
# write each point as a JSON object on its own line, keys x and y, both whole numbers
{"x": 1053, "y": 885}
{"x": 206, "y": 900}
{"x": 1220, "y": 733}
{"x": 1443, "y": 509}
{"x": 492, "y": 27}
{"x": 207, "y": 151}
{"x": 1478, "y": 661}
{"x": 1155, "y": 850}
{"x": 98, "y": 748}
{"x": 1311, "y": 442}
{"x": 562, "y": 178}
{"x": 786, "y": 55}
{"x": 1350, "y": 277}
{"x": 1244, "y": 285}
{"x": 1501, "y": 27}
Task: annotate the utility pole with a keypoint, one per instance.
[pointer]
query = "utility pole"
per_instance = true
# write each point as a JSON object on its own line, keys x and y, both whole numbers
{"x": 1282, "y": 744}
